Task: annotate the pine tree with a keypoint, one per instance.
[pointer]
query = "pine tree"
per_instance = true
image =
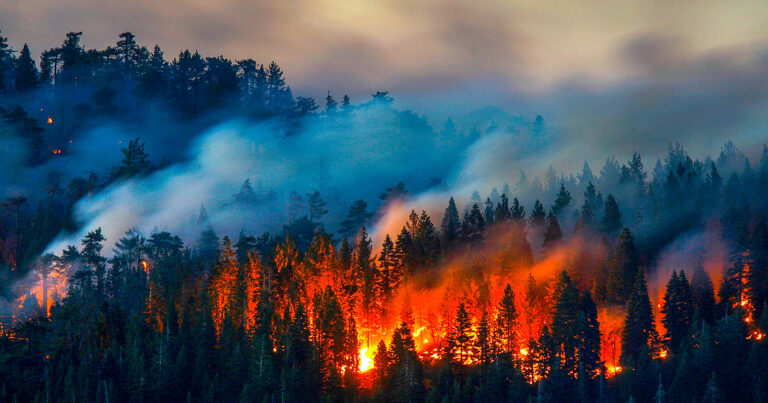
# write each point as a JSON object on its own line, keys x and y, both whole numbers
{"x": 460, "y": 346}
{"x": 208, "y": 247}
{"x": 489, "y": 212}
{"x": 502, "y": 213}
{"x": 404, "y": 252}
{"x": 553, "y": 234}
{"x": 517, "y": 211}
{"x": 450, "y": 227}
{"x": 389, "y": 275}
{"x": 612, "y": 217}
{"x": 703, "y": 294}
{"x": 639, "y": 336}
{"x": 506, "y": 321}
{"x": 134, "y": 161}
{"x": 538, "y": 215}
{"x": 564, "y": 322}
{"x": 93, "y": 242}
{"x": 757, "y": 276}
{"x": 6, "y": 60}
{"x": 406, "y": 380}
{"x": 330, "y": 104}
{"x": 367, "y": 272}
{"x": 483, "y": 342}
{"x": 425, "y": 240}
{"x": 316, "y": 206}
{"x": 562, "y": 200}
{"x": 473, "y": 225}
{"x": 624, "y": 268}
{"x": 544, "y": 352}
{"x": 589, "y": 335}
{"x": 26, "y": 73}
{"x": 357, "y": 217}
{"x": 586, "y": 217}
{"x": 677, "y": 310}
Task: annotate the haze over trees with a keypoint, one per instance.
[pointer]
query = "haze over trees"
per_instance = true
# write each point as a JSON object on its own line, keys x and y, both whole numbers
{"x": 543, "y": 291}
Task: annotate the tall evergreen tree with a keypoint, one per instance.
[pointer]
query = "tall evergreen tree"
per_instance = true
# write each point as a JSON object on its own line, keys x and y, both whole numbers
{"x": 553, "y": 234}
{"x": 506, "y": 321}
{"x": 612, "y": 217}
{"x": 389, "y": 273}
{"x": 589, "y": 335}
{"x": 703, "y": 294}
{"x": 538, "y": 215}
{"x": 639, "y": 336}
{"x": 625, "y": 267}
{"x": 450, "y": 226}
{"x": 562, "y": 200}
{"x": 677, "y": 310}
{"x": 357, "y": 217}
{"x": 26, "y": 72}
{"x": 564, "y": 322}
{"x": 460, "y": 346}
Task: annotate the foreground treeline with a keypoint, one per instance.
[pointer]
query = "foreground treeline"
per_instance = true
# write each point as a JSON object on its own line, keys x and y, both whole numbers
{"x": 270, "y": 318}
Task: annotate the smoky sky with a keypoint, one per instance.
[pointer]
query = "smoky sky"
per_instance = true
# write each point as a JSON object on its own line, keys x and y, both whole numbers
{"x": 617, "y": 77}
{"x": 357, "y": 47}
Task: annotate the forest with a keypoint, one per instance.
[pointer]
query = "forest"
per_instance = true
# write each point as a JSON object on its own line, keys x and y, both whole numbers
{"x": 629, "y": 284}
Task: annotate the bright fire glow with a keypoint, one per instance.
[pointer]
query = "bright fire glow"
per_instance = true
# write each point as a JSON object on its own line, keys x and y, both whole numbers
{"x": 366, "y": 362}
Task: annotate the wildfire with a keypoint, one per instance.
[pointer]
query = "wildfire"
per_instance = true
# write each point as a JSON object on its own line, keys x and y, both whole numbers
{"x": 50, "y": 120}
{"x": 418, "y": 331}
{"x": 524, "y": 352}
{"x": 613, "y": 370}
{"x": 663, "y": 353}
{"x": 144, "y": 265}
{"x": 366, "y": 362}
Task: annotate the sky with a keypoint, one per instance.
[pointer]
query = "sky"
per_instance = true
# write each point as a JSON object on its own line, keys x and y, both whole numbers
{"x": 621, "y": 76}
{"x": 412, "y": 46}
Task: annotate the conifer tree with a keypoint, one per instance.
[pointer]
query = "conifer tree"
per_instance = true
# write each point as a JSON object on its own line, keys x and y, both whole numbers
{"x": 564, "y": 322}
{"x": 639, "y": 336}
{"x": 552, "y": 234}
{"x": 406, "y": 381}
{"x": 316, "y": 206}
{"x": 473, "y": 225}
{"x": 502, "y": 213}
{"x": 677, "y": 310}
{"x": 562, "y": 200}
{"x": 703, "y": 294}
{"x": 26, "y": 73}
{"x": 612, "y": 217}
{"x": 404, "y": 252}
{"x": 460, "y": 346}
{"x": 538, "y": 215}
{"x": 389, "y": 275}
{"x": 517, "y": 211}
{"x": 506, "y": 321}
{"x": 357, "y": 217}
{"x": 367, "y": 273}
{"x": 589, "y": 335}
{"x": 625, "y": 266}
{"x": 483, "y": 342}
{"x": 450, "y": 226}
